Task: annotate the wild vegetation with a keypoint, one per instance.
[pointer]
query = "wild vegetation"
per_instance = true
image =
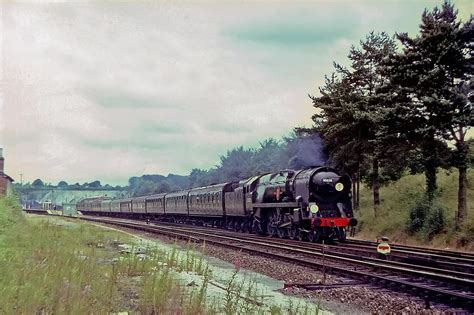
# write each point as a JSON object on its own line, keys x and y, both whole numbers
{"x": 50, "y": 265}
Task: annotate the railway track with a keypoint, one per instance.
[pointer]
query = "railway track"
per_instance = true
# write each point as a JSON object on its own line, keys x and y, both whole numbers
{"x": 447, "y": 255}
{"x": 452, "y": 287}
{"x": 462, "y": 266}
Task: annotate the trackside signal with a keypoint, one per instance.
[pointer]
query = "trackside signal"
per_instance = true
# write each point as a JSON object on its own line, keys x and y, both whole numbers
{"x": 383, "y": 248}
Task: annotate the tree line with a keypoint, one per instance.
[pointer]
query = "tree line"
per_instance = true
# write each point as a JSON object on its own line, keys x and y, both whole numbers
{"x": 403, "y": 103}
{"x": 38, "y": 184}
{"x": 293, "y": 151}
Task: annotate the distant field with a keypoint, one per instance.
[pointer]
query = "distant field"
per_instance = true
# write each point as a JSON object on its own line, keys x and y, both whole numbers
{"x": 400, "y": 197}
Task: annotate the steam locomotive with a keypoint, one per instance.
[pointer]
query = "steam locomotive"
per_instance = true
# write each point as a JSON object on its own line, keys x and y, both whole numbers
{"x": 309, "y": 204}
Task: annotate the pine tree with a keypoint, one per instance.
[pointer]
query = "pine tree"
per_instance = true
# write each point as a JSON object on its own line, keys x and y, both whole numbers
{"x": 431, "y": 79}
{"x": 352, "y": 113}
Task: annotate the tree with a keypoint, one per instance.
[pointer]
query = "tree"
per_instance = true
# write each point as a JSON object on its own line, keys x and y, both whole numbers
{"x": 434, "y": 75}
{"x": 133, "y": 183}
{"x": 198, "y": 178}
{"x": 62, "y": 185}
{"x": 334, "y": 121}
{"x": 268, "y": 157}
{"x": 351, "y": 113}
{"x": 236, "y": 164}
{"x": 38, "y": 183}
{"x": 95, "y": 184}
{"x": 163, "y": 187}
{"x": 145, "y": 187}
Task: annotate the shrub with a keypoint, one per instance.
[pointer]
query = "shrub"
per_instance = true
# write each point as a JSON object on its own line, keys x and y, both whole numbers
{"x": 10, "y": 213}
{"x": 435, "y": 221}
{"x": 418, "y": 215}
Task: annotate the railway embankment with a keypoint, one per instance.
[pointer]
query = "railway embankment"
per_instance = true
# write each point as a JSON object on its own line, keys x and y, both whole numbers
{"x": 54, "y": 265}
{"x": 402, "y": 206}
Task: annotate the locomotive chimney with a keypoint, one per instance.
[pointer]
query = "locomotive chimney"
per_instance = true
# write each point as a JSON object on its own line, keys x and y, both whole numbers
{"x": 2, "y": 160}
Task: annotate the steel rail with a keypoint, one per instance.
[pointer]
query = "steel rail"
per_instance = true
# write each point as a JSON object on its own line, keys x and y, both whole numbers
{"x": 333, "y": 250}
{"x": 427, "y": 263}
{"x": 422, "y": 250}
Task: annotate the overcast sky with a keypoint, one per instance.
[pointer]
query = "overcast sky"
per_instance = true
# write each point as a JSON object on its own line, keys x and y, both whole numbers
{"x": 111, "y": 90}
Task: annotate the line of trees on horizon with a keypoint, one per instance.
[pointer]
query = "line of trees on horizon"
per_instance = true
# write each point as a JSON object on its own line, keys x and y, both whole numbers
{"x": 38, "y": 184}
{"x": 293, "y": 151}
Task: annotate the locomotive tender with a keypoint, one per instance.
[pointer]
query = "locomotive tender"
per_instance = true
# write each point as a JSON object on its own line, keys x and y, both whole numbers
{"x": 313, "y": 204}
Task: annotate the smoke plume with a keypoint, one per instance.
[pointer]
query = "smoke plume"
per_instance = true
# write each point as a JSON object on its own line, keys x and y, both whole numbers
{"x": 307, "y": 150}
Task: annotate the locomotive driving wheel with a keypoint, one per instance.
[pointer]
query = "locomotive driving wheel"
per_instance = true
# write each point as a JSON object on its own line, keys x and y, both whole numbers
{"x": 259, "y": 227}
{"x": 271, "y": 228}
{"x": 301, "y": 236}
{"x": 313, "y": 236}
{"x": 293, "y": 232}
{"x": 273, "y": 221}
{"x": 282, "y": 232}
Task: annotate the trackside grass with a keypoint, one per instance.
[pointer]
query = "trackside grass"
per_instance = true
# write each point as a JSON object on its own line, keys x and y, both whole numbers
{"x": 51, "y": 265}
{"x": 400, "y": 197}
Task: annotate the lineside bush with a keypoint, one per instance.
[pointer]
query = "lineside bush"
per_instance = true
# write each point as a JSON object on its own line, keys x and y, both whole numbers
{"x": 10, "y": 213}
{"x": 418, "y": 215}
{"x": 435, "y": 222}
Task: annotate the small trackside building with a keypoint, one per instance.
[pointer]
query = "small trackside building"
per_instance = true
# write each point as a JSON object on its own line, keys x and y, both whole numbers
{"x": 5, "y": 180}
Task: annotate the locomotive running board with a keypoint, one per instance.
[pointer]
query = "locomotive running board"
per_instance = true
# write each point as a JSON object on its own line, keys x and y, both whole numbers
{"x": 276, "y": 205}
